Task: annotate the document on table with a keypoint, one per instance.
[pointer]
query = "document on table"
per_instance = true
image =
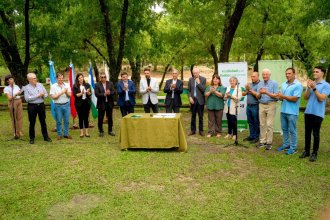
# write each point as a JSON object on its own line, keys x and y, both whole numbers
{"x": 164, "y": 115}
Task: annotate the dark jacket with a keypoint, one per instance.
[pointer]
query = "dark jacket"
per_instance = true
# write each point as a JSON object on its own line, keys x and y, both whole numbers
{"x": 200, "y": 89}
{"x": 78, "y": 100}
{"x": 99, "y": 93}
{"x": 177, "y": 92}
{"x": 122, "y": 93}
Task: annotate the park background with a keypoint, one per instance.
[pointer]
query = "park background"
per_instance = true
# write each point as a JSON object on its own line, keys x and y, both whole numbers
{"x": 92, "y": 178}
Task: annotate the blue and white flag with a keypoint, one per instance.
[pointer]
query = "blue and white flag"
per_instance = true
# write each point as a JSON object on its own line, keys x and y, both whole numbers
{"x": 53, "y": 80}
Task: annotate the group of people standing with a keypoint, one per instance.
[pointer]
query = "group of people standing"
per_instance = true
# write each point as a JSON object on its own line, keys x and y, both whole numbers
{"x": 262, "y": 97}
{"x": 261, "y": 105}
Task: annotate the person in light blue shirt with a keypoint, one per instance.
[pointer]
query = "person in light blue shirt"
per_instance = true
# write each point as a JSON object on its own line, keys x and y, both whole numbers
{"x": 267, "y": 95}
{"x": 290, "y": 95}
{"x": 317, "y": 92}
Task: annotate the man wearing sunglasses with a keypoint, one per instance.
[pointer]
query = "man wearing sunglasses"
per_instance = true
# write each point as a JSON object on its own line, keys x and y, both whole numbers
{"x": 104, "y": 91}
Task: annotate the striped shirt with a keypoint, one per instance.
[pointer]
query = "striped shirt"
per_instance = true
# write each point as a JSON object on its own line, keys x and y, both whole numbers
{"x": 31, "y": 93}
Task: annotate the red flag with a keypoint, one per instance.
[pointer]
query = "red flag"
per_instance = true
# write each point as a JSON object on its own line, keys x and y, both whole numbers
{"x": 73, "y": 108}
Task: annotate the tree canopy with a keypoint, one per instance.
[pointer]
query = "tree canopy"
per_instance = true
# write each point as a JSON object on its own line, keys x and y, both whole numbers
{"x": 183, "y": 33}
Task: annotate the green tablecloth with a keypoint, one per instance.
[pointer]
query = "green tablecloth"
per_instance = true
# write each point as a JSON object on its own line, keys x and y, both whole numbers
{"x": 141, "y": 130}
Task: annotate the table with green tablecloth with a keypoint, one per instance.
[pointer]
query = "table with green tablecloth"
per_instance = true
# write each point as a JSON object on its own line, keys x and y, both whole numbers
{"x": 145, "y": 130}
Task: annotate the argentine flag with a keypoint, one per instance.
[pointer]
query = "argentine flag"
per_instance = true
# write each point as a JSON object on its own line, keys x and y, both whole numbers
{"x": 52, "y": 77}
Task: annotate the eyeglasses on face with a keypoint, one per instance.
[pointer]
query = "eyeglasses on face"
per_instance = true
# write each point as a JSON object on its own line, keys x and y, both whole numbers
{"x": 102, "y": 77}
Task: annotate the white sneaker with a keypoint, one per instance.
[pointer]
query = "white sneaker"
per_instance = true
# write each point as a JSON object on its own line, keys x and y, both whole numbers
{"x": 228, "y": 136}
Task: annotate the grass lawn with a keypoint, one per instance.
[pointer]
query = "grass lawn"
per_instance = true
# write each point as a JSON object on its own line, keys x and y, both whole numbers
{"x": 91, "y": 178}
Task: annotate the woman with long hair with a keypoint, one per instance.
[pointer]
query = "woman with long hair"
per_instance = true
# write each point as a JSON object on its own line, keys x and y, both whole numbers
{"x": 232, "y": 104}
{"x": 15, "y": 106}
{"x": 82, "y": 94}
{"x": 214, "y": 103}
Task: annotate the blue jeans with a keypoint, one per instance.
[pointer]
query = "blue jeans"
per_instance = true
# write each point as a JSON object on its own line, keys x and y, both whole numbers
{"x": 252, "y": 114}
{"x": 62, "y": 113}
{"x": 289, "y": 128}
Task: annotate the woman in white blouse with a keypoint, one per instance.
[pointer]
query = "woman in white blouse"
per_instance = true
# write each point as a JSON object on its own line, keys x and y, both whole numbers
{"x": 12, "y": 91}
{"x": 233, "y": 96}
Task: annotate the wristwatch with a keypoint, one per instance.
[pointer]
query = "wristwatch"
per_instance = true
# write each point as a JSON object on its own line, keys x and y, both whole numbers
{"x": 314, "y": 89}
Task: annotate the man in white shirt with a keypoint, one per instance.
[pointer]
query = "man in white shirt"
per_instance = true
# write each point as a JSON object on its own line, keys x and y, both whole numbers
{"x": 60, "y": 92}
{"x": 149, "y": 89}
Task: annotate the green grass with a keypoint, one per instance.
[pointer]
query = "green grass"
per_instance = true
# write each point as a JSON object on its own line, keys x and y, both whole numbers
{"x": 93, "y": 179}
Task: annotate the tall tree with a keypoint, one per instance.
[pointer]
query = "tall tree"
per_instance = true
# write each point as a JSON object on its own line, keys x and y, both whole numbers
{"x": 9, "y": 44}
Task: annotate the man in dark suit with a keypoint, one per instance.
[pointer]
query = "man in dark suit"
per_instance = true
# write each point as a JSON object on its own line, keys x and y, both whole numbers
{"x": 104, "y": 91}
{"x": 126, "y": 94}
{"x": 196, "y": 89}
{"x": 173, "y": 89}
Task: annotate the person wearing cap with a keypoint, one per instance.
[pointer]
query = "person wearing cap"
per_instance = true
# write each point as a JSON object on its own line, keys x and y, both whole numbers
{"x": 12, "y": 91}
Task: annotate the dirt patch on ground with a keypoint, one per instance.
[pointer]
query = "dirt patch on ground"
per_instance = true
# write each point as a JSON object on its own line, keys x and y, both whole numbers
{"x": 235, "y": 168}
{"x": 136, "y": 186}
{"x": 325, "y": 213}
{"x": 79, "y": 205}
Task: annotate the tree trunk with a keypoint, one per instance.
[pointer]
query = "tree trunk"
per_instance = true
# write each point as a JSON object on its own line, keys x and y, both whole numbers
{"x": 327, "y": 78}
{"x": 163, "y": 77}
{"x": 191, "y": 70}
{"x": 114, "y": 64}
{"x": 182, "y": 67}
{"x": 230, "y": 27}
{"x": 259, "y": 55}
{"x": 9, "y": 47}
{"x": 96, "y": 70}
{"x": 305, "y": 56}
{"x": 136, "y": 66}
{"x": 215, "y": 58}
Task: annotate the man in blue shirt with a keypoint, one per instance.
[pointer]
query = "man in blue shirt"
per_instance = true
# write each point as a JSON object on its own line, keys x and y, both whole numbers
{"x": 267, "y": 95}
{"x": 317, "y": 92}
{"x": 252, "y": 109}
{"x": 290, "y": 96}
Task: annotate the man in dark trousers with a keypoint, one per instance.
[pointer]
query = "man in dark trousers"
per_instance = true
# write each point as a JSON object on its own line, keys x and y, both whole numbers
{"x": 173, "y": 89}
{"x": 126, "y": 94}
{"x": 252, "y": 109}
{"x": 34, "y": 94}
{"x": 196, "y": 89}
{"x": 316, "y": 94}
{"x": 104, "y": 91}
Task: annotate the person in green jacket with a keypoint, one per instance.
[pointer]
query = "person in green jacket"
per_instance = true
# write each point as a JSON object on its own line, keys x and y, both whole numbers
{"x": 214, "y": 103}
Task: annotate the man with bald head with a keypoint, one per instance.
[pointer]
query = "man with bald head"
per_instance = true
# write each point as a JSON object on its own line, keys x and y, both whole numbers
{"x": 252, "y": 109}
{"x": 196, "y": 89}
{"x": 267, "y": 95}
{"x": 173, "y": 89}
{"x": 34, "y": 94}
